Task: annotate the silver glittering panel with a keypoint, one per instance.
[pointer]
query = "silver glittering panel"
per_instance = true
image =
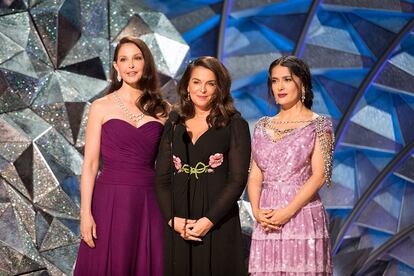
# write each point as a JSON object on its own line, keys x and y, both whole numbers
{"x": 54, "y": 61}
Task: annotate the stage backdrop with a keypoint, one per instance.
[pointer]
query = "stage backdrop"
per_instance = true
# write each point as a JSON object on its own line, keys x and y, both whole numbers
{"x": 55, "y": 58}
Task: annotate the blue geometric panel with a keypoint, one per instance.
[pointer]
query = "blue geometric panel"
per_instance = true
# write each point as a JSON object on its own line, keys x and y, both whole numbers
{"x": 329, "y": 30}
{"x": 376, "y": 116}
{"x": 278, "y": 24}
{"x": 199, "y": 46}
{"x": 374, "y": 37}
{"x": 400, "y": 6}
{"x": 397, "y": 268}
{"x": 340, "y": 93}
{"x": 372, "y": 239}
{"x": 407, "y": 212}
{"x": 385, "y": 205}
{"x": 403, "y": 251}
{"x": 405, "y": 171}
{"x": 396, "y": 78}
{"x": 342, "y": 193}
{"x": 360, "y": 137}
{"x": 322, "y": 57}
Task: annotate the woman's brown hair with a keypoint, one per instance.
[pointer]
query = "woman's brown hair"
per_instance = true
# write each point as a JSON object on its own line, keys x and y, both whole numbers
{"x": 222, "y": 108}
{"x": 151, "y": 102}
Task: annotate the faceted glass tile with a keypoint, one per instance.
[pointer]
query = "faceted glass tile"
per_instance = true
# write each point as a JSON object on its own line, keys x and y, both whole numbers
{"x": 24, "y": 209}
{"x": 375, "y": 37}
{"x": 329, "y": 31}
{"x": 246, "y": 217}
{"x": 403, "y": 252}
{"x": 54, "y": 145}
{"x": 43, "y": 179}
{"x": 407, "y": 212}
{"x": 63, "y": 257}
{"x": 58, "y": 235}
{"x": 192, "y": 19}
{"x": 396, "y": 5}
{"x": 251, "y": 64}
{"x": 12, "y": 6}
{"x": 396, "y": 78}
{"x": 58, "y": 204}
{"x": 26, "y": 120}
{"x": 406, "y": 170}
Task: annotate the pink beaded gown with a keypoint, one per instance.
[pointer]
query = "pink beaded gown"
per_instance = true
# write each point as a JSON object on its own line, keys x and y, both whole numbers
{"x": 302, "y": 246}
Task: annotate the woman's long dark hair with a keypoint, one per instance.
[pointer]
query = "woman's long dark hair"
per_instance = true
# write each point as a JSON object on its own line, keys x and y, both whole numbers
{"x": 151, "y": 102}
{"x": 298, "y": 68}
{"x": 222, "y": 108}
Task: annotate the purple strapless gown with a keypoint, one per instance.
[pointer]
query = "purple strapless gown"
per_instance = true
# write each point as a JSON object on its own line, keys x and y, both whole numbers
{"x": 128, "y": 221}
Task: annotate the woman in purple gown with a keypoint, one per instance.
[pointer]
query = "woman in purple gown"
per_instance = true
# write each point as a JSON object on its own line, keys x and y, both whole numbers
{"x": 292, "y": 159}
{"x": 121, "y": 224}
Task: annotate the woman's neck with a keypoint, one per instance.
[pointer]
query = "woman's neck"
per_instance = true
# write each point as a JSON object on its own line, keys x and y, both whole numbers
{"x": 199, "y": 113}
{"x": 129, "y": 93}
{"x": 295, "y": 112}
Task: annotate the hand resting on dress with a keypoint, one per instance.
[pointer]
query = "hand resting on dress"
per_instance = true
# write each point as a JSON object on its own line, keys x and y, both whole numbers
{"x": 88, "y": 229}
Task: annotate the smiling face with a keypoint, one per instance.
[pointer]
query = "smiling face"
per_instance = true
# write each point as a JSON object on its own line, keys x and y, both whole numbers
{"x": 202, "y": 87}
{"x": 286, "y": 87}
{"x": 130, "y": 63}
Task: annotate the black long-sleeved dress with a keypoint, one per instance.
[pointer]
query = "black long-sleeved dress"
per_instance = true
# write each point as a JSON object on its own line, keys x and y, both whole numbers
{"x": 204, "y": 191}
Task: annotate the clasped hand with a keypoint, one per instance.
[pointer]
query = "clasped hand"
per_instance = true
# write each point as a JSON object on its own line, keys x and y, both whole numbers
{"x": 190, "y": 229}
{"x": 273, "y": 219}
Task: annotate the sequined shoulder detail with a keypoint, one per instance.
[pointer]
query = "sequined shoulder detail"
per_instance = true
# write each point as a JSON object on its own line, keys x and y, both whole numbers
{"x": 261, "y": 123}
{"x": 325, "y": 134}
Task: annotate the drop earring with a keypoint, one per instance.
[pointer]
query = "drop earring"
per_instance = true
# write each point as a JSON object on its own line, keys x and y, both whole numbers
{"x": 118, "y": 77}
{"x": 303, "y": 95}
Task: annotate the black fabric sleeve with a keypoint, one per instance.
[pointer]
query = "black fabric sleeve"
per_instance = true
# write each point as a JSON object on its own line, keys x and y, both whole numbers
{"x": 163, "y": 171}
{"x": 239, "y": 159}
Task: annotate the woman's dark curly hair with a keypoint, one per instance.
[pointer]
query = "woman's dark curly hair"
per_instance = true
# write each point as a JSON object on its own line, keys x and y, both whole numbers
{"x": 298, "y": 68}
{"x": 151, "y": 102}
{"x": 222, "y": 108}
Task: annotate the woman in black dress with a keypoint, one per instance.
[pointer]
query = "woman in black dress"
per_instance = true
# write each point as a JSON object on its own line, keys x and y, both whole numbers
{"x": 211, "y": 154}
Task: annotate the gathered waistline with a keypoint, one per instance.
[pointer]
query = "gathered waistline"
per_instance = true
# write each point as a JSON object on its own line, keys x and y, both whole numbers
{"x": 100, "y": 182}
{"x": 285, "y": 183}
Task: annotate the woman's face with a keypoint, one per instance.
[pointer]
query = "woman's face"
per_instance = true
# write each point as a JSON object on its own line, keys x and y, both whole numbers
{"x": 130, "y": 63}
{"x": 286, "y": 87}
{"x": 202, "y": 87}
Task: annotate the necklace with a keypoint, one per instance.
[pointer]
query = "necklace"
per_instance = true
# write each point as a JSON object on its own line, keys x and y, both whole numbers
{"x": 136, "y": 118}
{"x": 292, "y": 122}
{"x": 280, "y": 133}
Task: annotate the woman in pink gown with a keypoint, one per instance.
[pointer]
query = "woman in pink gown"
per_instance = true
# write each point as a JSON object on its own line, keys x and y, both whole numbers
{"x": 292, "y": 160}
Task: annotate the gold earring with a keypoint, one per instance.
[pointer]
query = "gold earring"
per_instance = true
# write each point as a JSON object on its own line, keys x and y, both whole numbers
{"x": 188, "y": 95}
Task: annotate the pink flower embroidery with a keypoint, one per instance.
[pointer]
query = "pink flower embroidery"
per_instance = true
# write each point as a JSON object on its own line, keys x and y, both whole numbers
{"x": 177, "y": 163}
{"x": 215, "y": 160}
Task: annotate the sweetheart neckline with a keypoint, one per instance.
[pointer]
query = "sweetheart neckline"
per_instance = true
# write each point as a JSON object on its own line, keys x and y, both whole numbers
{"x": 116, "y": 119}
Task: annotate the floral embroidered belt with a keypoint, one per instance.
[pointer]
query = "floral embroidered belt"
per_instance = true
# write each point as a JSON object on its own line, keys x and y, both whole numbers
{"x": 215, "y": 161}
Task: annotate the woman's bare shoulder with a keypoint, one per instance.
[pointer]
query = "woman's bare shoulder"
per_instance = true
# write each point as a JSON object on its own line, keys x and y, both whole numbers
{"x": 102, "y": 101}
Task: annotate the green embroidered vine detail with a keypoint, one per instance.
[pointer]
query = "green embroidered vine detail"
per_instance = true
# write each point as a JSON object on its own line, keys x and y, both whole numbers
{"x": 214, "y": 161}
{"x": 198, "y": 169}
